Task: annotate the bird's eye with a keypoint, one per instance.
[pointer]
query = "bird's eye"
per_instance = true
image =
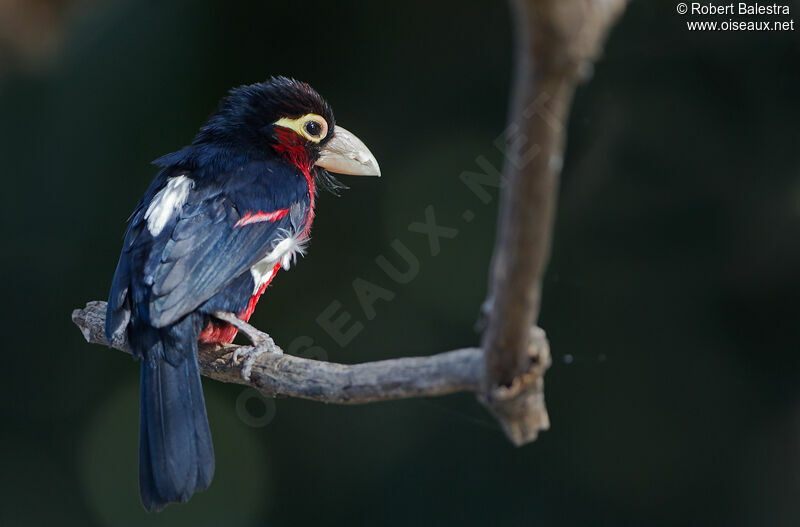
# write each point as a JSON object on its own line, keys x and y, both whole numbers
{"x": 310, "y": 126}
{"x": 313, "y": 128}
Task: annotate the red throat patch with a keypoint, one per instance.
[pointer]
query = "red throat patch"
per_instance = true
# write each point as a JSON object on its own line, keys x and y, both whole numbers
{"x": 292, "y": 148}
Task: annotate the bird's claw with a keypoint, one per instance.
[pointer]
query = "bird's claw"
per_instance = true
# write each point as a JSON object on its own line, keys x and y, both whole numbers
{"x": 262, "y": 343}
{"x": 248, "y": 356}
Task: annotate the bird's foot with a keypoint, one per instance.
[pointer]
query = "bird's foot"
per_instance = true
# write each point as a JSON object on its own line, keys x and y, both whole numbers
{"x": 262, "y": 343}
{"x": 248, "y": 355}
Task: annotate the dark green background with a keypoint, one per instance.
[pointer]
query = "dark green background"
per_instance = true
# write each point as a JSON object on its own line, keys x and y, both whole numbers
{"x": 671, "y": 301}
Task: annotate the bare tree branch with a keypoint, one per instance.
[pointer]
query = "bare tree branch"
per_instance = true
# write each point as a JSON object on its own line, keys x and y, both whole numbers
{"x": 556, "y": 43}
{"x": 281, "y": 374}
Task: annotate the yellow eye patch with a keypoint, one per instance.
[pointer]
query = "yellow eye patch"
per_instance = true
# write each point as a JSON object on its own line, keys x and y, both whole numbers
{"x": 310, "y": 126}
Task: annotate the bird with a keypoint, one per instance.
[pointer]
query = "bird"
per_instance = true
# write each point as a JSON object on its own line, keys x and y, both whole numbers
{"x": 222, "y": 216}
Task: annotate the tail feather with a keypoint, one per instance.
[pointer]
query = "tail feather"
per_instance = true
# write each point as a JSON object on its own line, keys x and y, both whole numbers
{"x": 176, "y": 456}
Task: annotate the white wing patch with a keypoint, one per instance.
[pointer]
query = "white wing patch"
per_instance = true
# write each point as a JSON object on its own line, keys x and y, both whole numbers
{"x": 168, "y": 200}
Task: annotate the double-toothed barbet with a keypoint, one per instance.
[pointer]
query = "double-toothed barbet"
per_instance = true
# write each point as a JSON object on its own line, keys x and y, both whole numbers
{"x": 220, "y": 219}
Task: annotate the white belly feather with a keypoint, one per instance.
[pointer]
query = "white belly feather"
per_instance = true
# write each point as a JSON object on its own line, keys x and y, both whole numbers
{"x": 283, "y": 253}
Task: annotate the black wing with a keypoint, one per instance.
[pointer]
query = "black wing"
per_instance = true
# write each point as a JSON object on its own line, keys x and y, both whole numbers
{"x": 205, "y": 252}
{"x": 162, "y": 277}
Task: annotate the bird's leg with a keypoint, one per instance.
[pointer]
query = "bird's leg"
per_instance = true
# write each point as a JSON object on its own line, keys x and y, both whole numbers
{"x": 262, "y": 343}
{"x": 256, "y": 336}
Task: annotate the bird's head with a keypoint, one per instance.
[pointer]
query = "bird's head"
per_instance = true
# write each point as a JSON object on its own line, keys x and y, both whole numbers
{"x": 287, "y": 117}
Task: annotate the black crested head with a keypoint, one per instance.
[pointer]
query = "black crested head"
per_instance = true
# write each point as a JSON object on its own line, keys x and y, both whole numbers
{"x": 281, "y": 119}
{"x": 247, "y": 114}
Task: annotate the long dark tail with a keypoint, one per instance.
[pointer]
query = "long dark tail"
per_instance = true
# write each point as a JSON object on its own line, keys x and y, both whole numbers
{"x": 176, "y": 456}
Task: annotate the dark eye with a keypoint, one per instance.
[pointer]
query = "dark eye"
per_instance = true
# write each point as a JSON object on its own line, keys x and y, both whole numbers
{"x": 313, "y": 128}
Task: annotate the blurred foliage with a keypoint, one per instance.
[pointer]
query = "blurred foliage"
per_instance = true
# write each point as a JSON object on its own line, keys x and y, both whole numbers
{"x": 671, "y": 301}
